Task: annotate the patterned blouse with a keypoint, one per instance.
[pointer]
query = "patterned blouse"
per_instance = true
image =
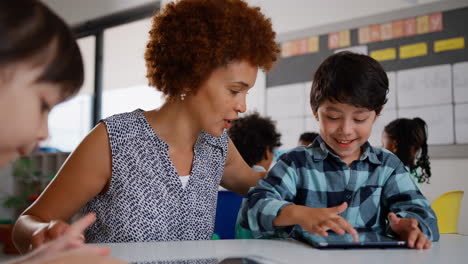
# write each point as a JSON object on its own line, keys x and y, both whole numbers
{"x": 145, "y": 200}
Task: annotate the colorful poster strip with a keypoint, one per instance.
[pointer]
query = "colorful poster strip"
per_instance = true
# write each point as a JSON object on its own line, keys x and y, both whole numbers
{"x": 401, "y": 28}
{"x": 381, "y": 32}
{"x": 449, "y": 44}
{"x": 340, "y": 39}
{"x": 300, "y": 46}
{"x": 384, "y": 54}
{"x": 413, "y": 50}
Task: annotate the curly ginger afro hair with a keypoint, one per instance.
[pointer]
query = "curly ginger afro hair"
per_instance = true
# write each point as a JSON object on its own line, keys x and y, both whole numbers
{"x": 191, "y": 38}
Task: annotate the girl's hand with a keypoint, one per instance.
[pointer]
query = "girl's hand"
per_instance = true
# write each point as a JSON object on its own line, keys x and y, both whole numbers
{"x": 66, "y": 245}
{"x": 54, "y": 230}
{"x": 60, "y": 237}
{"x": 408, "y": 230}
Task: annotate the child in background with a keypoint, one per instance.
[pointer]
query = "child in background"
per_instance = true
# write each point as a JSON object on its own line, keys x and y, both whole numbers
{"x": 307, "y": 138}
{"x": 341, "y": 183}
{"x": 407, "y": 138}
{"x": 40, "y": 66}
{"x": 256, "y": 139}
{"x": 154, "y": 175}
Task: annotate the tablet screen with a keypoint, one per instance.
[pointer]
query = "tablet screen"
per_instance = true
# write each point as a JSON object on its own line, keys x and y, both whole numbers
{"x": 230, "y": 260}
{"x": 366, "y": 239}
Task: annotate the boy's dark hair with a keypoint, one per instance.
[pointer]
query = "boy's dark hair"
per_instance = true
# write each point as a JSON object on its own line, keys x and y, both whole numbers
{"x": 253, "y": 135}
{"x": 410, "y": 136}
{"x": 30, "y": 32}
{"x": 350, "y": 78}
{"x": 308, "y": 137}
{"x": 191, "y": 38}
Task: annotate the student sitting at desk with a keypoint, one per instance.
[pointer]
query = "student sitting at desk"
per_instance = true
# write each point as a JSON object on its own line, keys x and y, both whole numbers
{"x": 341, "y": 182}
{"x": 203, "y": 55}
{"x": 407, "y": 138}
{"x": 256, "y": 139}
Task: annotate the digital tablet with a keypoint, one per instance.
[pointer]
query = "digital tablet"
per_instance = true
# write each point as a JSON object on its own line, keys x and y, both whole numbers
{"x": 229, "y": 260}
{"x": 366, "y": 240}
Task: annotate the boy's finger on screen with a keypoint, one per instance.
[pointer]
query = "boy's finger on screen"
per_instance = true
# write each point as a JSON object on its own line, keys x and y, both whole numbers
{"x": 421, "y": 242}
{"x": 354, "y": 234}
{"x": 412, "y": 239}
{"x": 348, "y": 228}
{"x": 428, "y": 244}
{"x": 335, "y": 227}
{"x": 319, "y": 231}
{"x": 323, "y": 233}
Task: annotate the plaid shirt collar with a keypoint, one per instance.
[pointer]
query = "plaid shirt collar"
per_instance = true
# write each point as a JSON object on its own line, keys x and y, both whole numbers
{"x": 321, "y": 151}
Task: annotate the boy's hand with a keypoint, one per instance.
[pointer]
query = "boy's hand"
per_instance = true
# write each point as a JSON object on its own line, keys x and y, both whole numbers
{"x": 408, "y": 230}
{"x": 319, "y": 220}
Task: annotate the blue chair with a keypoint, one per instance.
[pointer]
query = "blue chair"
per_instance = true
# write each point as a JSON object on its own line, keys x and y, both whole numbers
{"x": 226, "y": 214}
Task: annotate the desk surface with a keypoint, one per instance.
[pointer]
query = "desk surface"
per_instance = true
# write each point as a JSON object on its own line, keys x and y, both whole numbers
{"x": 450, "y": 249}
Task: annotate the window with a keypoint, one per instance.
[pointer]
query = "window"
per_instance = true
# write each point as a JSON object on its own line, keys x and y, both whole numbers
{"x": 124, "y": 72}
{"x": 70, "y": 121}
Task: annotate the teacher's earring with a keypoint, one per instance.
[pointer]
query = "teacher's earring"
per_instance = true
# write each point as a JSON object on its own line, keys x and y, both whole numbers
{"x": 182, "y": 96}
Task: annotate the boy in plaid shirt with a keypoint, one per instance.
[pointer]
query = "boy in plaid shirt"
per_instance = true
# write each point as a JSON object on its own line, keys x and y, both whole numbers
{"x": 340, "y": 182}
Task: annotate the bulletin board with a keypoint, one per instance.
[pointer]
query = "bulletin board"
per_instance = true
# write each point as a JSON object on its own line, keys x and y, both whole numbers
{"x": 301, "y": 57}
{"x": 424, "y": 55}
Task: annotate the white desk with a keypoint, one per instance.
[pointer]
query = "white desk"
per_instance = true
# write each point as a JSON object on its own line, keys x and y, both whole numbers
{"x": 450, "y": 249}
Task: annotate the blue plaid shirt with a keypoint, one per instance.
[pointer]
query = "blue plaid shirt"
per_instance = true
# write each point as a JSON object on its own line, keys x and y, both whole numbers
{"x": 373, "y": 186}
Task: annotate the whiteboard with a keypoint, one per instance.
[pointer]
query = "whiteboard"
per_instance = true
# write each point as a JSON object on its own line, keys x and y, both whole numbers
{"x": 290, "y": 129}
{"x": 424, "y": 86}
{"x": 386, "y": 116}
{"x": 460, "y": 82}
{"x": 439, "y": 120}
{"x": 461, "y": 123}
{"x": 286, "y": 101}
{"x": 391, "y": 103}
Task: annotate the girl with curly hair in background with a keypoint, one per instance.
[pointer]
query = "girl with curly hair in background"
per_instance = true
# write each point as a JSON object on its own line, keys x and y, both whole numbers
{"x": 154, "y": 175}
{"x": 407, "y": 138}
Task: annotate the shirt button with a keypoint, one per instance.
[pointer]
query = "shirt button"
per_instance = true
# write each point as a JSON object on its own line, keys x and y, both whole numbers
{"x": 348, "y": 196}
